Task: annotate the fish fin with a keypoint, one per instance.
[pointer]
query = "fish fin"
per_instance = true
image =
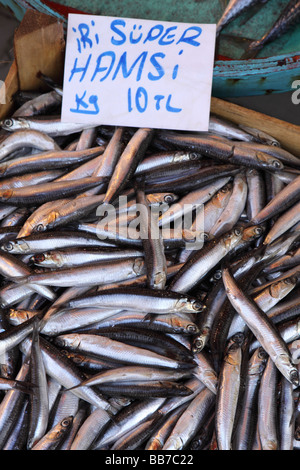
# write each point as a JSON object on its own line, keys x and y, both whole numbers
{"x": 24, "y": 387}
{"x": 70, "y": 389}
{"x": 149, "y": 317}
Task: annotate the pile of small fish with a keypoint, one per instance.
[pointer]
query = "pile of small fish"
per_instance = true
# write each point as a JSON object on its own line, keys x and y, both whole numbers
{"x": 182, "y": 331}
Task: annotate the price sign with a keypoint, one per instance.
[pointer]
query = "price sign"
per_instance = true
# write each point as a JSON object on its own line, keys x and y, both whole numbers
{"x": 138, "y": 73}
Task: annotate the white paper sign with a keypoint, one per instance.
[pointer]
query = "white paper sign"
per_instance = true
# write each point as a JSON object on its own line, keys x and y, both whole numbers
{"x": 138, "y": 73}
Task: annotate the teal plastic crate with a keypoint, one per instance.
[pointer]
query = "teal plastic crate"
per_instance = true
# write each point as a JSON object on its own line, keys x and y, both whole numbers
{"x": 274, "y": 70}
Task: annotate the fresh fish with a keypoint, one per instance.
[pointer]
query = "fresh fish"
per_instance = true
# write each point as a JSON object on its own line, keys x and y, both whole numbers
{"x": 29, "y": 139}
{"x": 39, "y": 242}
{"x": 267, "y": 407}
{"x": 53, "y": 126}
{"x": 191, "y": 202}
{"x": 190, "y": 421}
{"x": 165, "y": 158}
{"x": 229, "y": 384}
{"x": 41, "y": 104}
{"x": 283, "y": 223}
{"x": 39, "y": 402}
{"x": 125, "y": 420}
{"x": 247, "y": 420}
{"x": 287, "y": 18}
{"x": 90, "y": 429}
{"x": 30, "y": 179}
{"x": 30, "y": 196}
{"x": 117, "y": 351}
{"x": 286, "y": 416}
{"x": 153, "y": 245}
{"x": 47, "y": 161}
{"x": 102, "y": 272}
{"x": 127, "y": 163}
{"x": 233, "y": 10}
{"x": 158, "y": 439}
{"x": 59, "y": 367}
{"x": 142, "y": 300}
{"x": 11, "y": 406}
{"x": 53, "y": 439}
{"x": 132, "y": 374}
{"x": 74, "y": 256}
{"x": 200, "y": 263}
{"x": 262, "y": 328}
{"x": 234, "y": 208}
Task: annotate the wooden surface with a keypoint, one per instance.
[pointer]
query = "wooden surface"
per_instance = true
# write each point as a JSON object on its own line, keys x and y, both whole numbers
{"x": 287, "y": 134}
{"x": 11, "y": 87}
{"x": 39, "y": 46}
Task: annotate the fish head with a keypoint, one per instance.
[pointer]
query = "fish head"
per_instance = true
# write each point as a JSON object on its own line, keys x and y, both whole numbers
{"x": 160, "y": 198}
{"x": 17, "y": 316}
{"x": 233, "y": 237}
{"x": 48, "y": 258}
{"x": 6, "y": 194}
{"x": 159, "y": 280}
{"x": 192, "y": 329}
{"x": 282, "y": 288}
{"x": 64, "y": 425}
{"x": 252, "y": 232}
{"x": 65, "y": 341}
{"x": 190, "y": 305}
{"x": 14, "y": 124}
{"x": 181, "y": 326}
{"x": 138, "y": 266}
{"x": 16, "y": 246}
{"x": 269, "y": 162}
{"x": 200, "y": 340}
{"x": 186, "y": 156}
{"x": 174, "y": 442}
{"x": 258, "y": 362}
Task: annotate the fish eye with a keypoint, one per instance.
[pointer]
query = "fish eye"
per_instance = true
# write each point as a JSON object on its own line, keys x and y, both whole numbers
{"x": 8, "y": 246}
{"x": 198, "y": 306}
{"x": 276, "y": 164}
{"x": 197, "y": 345}
{"x": 237, "y": 231}
{"x": 191, "y": 328}
{"x": 217, "y": 275}
{"x": 65, "y": 422}
{"x": 238, "y": 338}
{"x": 8, "y": 122}
{"x": 262, "y": 354}
{"x": 39, "y": 258}
{"x": 258, "y": 230}
{"x": 194, "y": 156}
{"x": 40, "y": 228}
{"x": 168, "y": 198}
